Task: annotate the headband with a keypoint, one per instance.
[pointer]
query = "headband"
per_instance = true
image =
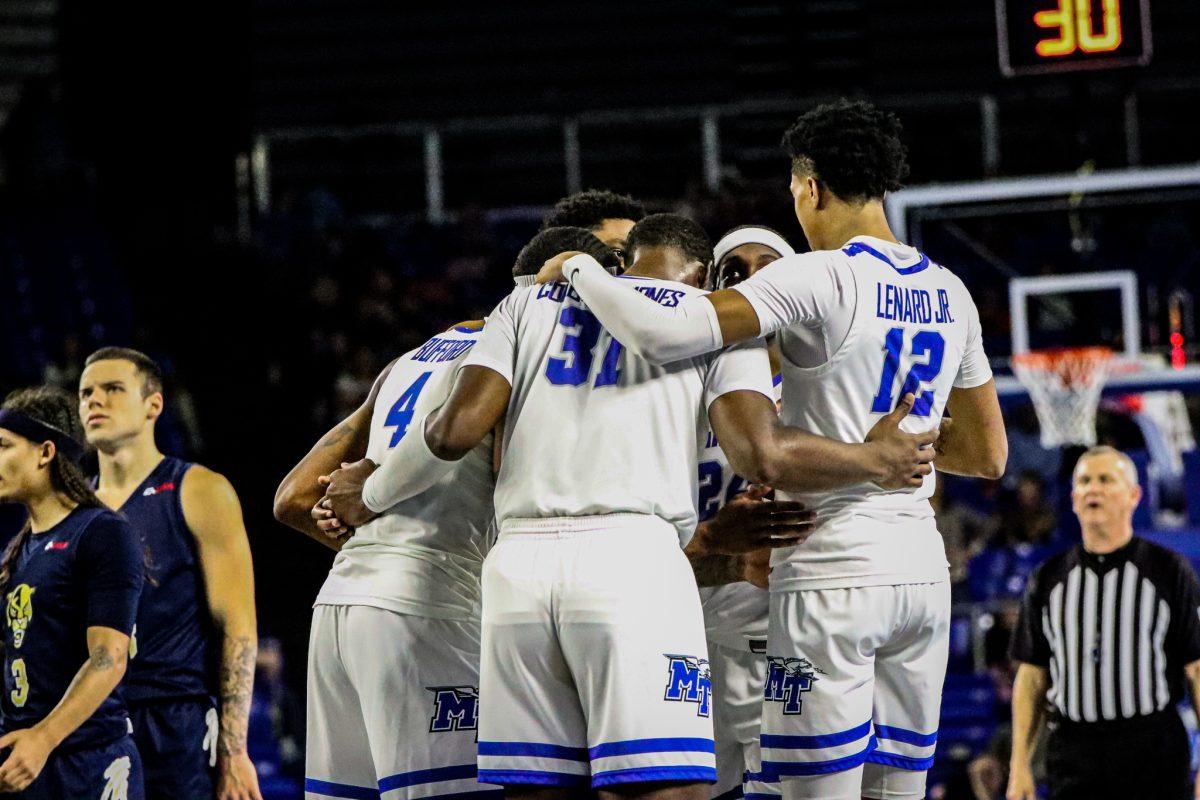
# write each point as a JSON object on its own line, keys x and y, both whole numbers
{"x": 34, "y": 430}
{"x": 751, "y": 235}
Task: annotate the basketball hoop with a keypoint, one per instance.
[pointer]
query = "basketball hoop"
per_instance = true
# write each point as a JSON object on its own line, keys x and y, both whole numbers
{"x": 1065, "y": 387}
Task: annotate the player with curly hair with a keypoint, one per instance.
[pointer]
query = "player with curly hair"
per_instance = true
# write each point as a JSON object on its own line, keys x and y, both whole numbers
{"x": 860, "y": 613}
{"x": 606, "y": 215}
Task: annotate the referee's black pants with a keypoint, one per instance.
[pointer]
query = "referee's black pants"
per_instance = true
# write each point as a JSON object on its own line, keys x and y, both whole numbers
{"x": 1146, "y": 757}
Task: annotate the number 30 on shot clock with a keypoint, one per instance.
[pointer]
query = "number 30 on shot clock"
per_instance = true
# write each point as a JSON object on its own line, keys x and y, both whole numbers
{"x": 1038, "y": 36}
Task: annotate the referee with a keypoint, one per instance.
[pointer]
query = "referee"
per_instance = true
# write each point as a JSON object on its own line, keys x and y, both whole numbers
{"x": 1108, "y": 634}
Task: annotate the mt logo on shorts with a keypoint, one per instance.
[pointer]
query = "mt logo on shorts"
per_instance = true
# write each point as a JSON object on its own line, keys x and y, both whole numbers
{"x": 455, "y": 708}
{"x": 787, "y": 679}
{"x": 689, "y": 680}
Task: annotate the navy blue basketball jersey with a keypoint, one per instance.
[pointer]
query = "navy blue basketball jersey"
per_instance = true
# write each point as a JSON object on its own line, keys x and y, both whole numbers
{"x": 85, "y": 571}
{"x": 175, "y": 657}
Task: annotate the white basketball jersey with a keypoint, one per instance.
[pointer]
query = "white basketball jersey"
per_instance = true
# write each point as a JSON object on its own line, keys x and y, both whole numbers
{"x": 858, "y": 328}
{"x": 592, "y": 428}
{"x": 423, "y": 556}
{"x": 735, "y": 614}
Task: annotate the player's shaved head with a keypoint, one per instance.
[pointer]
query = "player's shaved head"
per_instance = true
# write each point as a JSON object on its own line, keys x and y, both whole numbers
{"x": 673, "y": 230}
{"x": 851, "y": 147}
{"x": 552, "y": 241}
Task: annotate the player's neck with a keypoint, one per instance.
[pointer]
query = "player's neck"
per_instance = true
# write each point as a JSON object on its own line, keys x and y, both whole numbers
{"x": 123, "y": 468}
{"x": 48, "y": 511}
{"x": 1101, "y": 539}
{"x": 663, "y": 263}
{"x": 867, "y": 220}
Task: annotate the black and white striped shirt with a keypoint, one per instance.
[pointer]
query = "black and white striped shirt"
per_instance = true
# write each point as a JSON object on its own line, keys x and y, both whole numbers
{"x": 1114, "y": 631}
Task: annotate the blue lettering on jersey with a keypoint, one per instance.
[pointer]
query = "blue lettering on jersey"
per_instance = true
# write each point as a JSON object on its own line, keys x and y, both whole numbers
{"x": 689, "y": 680}
{"x": 556, "y": 292}
{"x": 401, "y": 413}
{"x": 437, "y": 350}
{"x": 787, "y": 680}
{"x": 662, "y": 295}
{"x": 455, "y": 708}
{"x": 903, "y": 304}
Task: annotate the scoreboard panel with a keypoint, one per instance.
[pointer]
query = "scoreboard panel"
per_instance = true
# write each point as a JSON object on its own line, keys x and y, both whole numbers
{"x": 1039, "y": 36}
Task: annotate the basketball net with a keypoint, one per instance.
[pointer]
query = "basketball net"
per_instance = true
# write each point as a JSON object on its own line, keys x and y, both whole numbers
{"x": 1065, "y": 387}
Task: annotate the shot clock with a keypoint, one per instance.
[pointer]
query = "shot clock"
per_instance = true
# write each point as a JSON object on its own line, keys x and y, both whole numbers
{"x": 1037, "y": 36}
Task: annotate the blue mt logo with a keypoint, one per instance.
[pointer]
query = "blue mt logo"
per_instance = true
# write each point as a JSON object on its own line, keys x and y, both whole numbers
{"x": 787, "y": 680}
{"x": 689, "y": 680}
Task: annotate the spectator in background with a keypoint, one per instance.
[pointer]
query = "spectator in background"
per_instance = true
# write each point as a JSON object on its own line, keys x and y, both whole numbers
{"x": 964, "y": 532}
{"x": 273, "y": 740}
{"x": 1023, "y": 539}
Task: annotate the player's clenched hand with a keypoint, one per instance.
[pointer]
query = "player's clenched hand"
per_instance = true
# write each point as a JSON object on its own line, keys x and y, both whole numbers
{"x": 325, "y": 519}
{"x": 751, "y": 522}
{"x": 236, "y": 778}
{"x": 901, "y": 460}
{"x": 30, "y": 749}
{"x": 343, "y": 495}
{"x": 1021, "y": 785}
{"x": 552, "y": 270}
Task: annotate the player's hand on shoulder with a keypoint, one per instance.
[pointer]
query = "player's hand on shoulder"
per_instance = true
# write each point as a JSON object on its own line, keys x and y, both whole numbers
{"x": 751, "y": 522}
{"x": 552, "y": 270}
{"x": 900, "y": 460}
{"x": 343, "y": 495}
{"x": 236, "y": 778}
{"x": 28, "y": 750}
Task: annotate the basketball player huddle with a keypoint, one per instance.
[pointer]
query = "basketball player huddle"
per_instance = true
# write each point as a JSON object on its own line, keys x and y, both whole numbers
{"x": 630, "y": 536}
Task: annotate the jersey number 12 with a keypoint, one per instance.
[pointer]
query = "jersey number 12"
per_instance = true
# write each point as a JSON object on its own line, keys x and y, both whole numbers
{"x": 923, "y": 342}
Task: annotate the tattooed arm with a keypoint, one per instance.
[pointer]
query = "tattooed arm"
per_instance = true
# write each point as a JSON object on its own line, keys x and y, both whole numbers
{"x": 108, "y": 651}
{"x": 299, "y": 491}
{"x": 214, "y": 516}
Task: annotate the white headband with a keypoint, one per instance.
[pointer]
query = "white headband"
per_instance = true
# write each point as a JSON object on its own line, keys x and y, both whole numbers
{"x": 751, "y": 235}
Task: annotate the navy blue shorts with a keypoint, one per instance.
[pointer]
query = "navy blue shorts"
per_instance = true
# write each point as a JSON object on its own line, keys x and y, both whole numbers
{"x": 90, "y": 773}
{"x": 178, "y": 743}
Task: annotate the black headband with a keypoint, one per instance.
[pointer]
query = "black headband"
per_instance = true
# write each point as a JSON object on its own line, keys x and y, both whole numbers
{"x": 37, "y": 431}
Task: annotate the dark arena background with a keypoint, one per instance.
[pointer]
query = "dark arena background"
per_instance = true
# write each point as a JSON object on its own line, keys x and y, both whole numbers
{"x": 274, "y": 199}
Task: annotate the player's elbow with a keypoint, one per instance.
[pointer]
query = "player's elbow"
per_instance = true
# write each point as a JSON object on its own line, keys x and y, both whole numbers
{"x": 288, "y": 507}
{"x": 758, "y": 462}
{"x": 995, "y": 460}
{"x": 449, "y": 435}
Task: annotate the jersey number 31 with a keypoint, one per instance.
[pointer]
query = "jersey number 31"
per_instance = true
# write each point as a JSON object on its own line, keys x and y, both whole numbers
{"x": 579, "y": 340}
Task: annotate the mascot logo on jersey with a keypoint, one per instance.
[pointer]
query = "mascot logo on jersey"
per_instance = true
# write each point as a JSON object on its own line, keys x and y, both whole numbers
{"x": 455, "y": 708}
{"x": 787, "y": 680}
{"x": 689, "y": 680}
{"x": 20, "y": 611}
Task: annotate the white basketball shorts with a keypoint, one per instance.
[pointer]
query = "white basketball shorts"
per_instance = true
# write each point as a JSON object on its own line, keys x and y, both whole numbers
{"x": 853, "y": 689}
{"x": 737, "y": 688}
{"x": 594, "y": 667}
{"x": 392, "y": 706}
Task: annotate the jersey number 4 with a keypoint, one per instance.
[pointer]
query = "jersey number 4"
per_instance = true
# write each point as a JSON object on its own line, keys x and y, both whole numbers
{"x": 923, "y": 342}
{"x": 401, "y": 413}
{"x": 579, "y": 340}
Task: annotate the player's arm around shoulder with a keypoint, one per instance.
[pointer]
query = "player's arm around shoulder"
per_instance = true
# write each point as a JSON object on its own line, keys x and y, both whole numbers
{"x": 214, "y": 515}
